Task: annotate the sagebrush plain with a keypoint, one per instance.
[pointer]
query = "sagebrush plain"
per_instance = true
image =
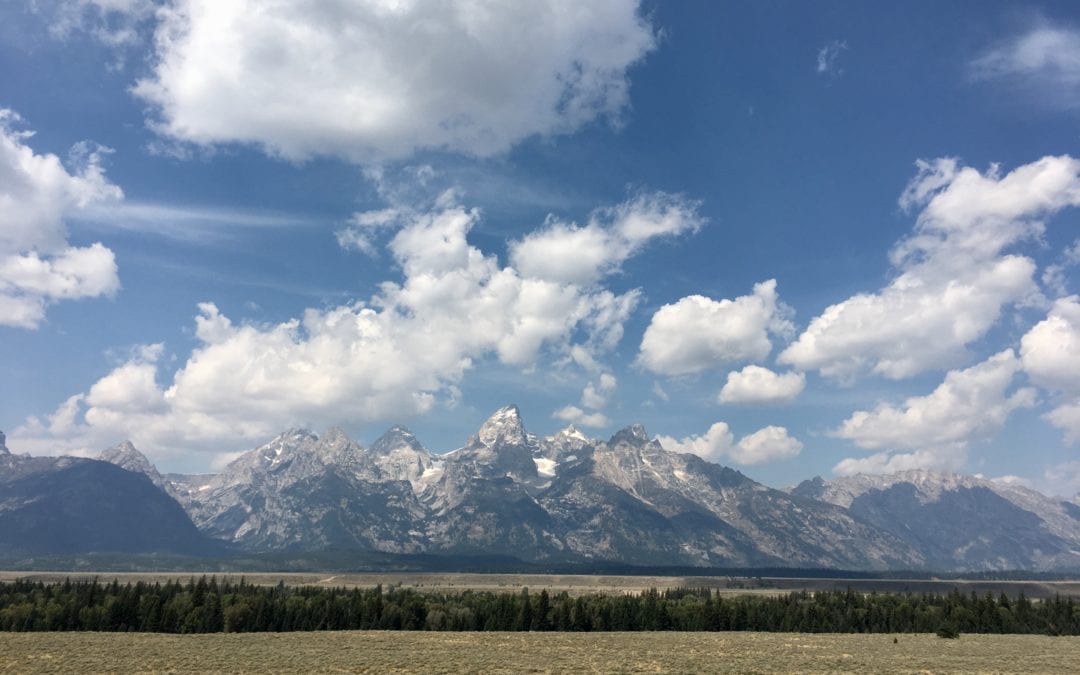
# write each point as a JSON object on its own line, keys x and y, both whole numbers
{"x": 387, "y": 652}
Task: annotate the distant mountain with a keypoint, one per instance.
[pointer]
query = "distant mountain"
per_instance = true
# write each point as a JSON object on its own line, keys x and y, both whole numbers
{"x": 630, "y": 498}
{"x": 59, "y": 505}
{"x": 509, "y": 494}
{"x": 300, "y": 491}
{"x": 961, "y": 522}
{"x": 126, "y": 456}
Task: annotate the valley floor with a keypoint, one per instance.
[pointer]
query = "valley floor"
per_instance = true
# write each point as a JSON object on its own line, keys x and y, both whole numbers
{"x": 382, "y": 652}
{"x": 577, "y": 584}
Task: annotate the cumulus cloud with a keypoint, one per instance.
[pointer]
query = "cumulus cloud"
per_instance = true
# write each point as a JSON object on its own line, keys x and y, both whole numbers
{"x": 364, "y": 226}
{"x": 890, "y": 462}
{"x": 756, "y": 384}
{"x": 370, "y": 80}
{"x": 768, "y": 444}
{"x": 1050, "y": 352}
{"x": 1044, "y": 60}
{"x": 37, "y": 193}
{"x": 969, "y": 404}
{"x": 569, "y": 253}
{"x": 698, "y": 333}
{"x": 954, "y": 275}
{"x": 596, "y": 395}
{"x": 387, "y": 358}
{"x": 1051, "y": 349}
{"x": 575, "y": 415}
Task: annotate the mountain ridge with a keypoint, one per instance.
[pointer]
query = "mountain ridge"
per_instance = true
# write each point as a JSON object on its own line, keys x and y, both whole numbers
{"x": 568, "y": 498}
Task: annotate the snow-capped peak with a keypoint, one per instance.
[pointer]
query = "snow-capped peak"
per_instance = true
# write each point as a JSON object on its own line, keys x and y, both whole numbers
{"x": 574, "y": 433}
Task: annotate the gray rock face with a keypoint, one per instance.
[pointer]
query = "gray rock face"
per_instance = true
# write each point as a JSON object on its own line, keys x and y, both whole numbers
{"x": 571, "y": 498}
{"x": 565, "y": 497}
{"x": 961, "y": 522}
{"x": 398, "y": 455}
{"x": 304, "y": 492}
{"x": 3, "y": 444}
{"x": 630, "y": 497}
{"x": 127, "y": 457}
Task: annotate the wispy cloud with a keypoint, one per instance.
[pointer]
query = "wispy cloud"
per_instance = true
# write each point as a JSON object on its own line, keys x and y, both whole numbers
{"x": 828, "y": 58}
{"x": 194, "y": 224}
{"x": 1044, "y": 61}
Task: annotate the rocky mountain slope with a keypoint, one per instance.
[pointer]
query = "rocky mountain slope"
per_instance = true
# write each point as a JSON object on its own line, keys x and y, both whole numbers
{"x": 61, "y": 505}
{"x": 961, "y": 522}
{"x": 562, "y": 498}
{"x": 571, "y": 498}
{"x": 300, "y": 491}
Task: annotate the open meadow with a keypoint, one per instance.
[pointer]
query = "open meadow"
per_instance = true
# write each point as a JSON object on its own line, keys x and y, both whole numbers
{"x": 387, "y": 652}
{"x": 575, "y": 584}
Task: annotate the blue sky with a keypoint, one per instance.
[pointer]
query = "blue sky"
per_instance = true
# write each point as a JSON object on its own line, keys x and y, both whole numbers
{"x": 795, "y": 238}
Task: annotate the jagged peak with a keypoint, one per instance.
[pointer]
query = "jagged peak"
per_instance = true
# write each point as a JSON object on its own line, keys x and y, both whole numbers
{"x": 572, "y": 432}
{"x": 3, "y": 444}
{"x": 395, "y": 437}
{"x": 298, "y": 433}
{"x": 504, "y": 426}
{"x": 273, "y": 450}
{"x": 634, "y": 434}
{"x": 335, "y": 434}
{"x": 124, "y": 454}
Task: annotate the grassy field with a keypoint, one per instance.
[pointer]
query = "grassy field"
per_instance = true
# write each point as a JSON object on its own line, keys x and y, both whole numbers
{"x": 581, "y": 584}
{"x": 383, "y": 652}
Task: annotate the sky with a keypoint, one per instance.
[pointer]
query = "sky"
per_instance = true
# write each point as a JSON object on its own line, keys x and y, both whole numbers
{"x": 794, "y": 238}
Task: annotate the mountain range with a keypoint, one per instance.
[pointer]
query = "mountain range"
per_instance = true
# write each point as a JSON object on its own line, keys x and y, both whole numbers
{"x": 565, "y": 498}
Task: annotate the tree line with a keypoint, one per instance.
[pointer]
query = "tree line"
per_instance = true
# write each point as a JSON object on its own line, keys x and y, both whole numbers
{"x": 211, "y": 606}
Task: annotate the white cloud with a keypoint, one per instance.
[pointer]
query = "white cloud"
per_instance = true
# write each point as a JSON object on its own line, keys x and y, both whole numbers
{"x": 575, "y": 415}
{"x": 1044, "y": 60}
{"x": 1064, "y": 479}
{"x": 114, "y": 22}
{"x": 364, "y": 226}
{"x": 969, "y": 404}
{"x": 768, "y": 444}
{"x": 373, "y": 80}
{"x": 182, "y": 222}
{"x": 1054, "y": 276}
{"x": 886, "y": 462}
{"x": 954, "y": 276}
{"x": 1066, "y": 417}
{"x": 37, "y": 192}
{"x": 596, "y": 396}
{"x": 697, "y": 333}
{"x": 387, "y": 358}
{"x": 569, "y": 253}
{"x": 1051, "y": 349}
{"x": 1051, "y": 356}
{"x": 756, "y": 384}
{"x": 828, "y": 57}
{"x": 1011, "y": 480}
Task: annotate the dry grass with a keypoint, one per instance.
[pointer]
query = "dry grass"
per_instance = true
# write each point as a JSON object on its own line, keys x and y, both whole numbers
{"x": 578, "y": 584}
{"x": 397, "y": 652}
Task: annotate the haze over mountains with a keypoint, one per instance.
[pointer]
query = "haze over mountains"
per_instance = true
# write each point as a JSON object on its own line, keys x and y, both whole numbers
{"x": 566, "y": 498}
